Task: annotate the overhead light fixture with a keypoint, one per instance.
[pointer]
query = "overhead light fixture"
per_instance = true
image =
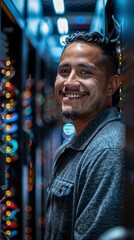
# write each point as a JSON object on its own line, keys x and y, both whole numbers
{"x": 62, "y": 25}
{"x": 46, "y": 26}
{"x": 59, "y": 7}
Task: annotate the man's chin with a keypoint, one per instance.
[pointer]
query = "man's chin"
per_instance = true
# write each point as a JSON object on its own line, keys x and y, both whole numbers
{"x": 69, "y": 116}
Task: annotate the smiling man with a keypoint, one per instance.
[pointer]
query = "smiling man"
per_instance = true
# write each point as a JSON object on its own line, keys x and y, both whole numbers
{"x": 85, "y": 193}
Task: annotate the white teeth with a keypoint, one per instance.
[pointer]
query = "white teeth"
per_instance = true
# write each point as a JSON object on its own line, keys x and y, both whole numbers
{"x": 72, "y": 95}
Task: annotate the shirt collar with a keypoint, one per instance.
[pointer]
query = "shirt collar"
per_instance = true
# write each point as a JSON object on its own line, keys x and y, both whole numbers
{"x": 81, "y": 141}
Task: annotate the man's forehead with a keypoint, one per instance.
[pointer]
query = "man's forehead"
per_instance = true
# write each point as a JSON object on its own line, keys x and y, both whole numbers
{"x": 82, "y": 43}
{"x": 82, "y": 52}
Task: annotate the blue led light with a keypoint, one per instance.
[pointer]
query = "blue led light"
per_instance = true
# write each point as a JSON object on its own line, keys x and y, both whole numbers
{"x": 80, "y": 19}
{"x": 13, "y": 117}
{"x": 68, "y": 129}
{"x": 14, "y": 146}
{"x": 14, "y": 128}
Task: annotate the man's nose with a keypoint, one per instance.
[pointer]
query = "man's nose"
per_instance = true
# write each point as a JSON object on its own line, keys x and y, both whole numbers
{"x": 72, "y": 79}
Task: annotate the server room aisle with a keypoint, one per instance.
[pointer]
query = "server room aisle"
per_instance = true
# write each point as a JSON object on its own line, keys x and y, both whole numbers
{"x": 32, "y": 33}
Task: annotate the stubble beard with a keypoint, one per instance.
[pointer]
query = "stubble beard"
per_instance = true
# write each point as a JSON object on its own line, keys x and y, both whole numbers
{"x": 70, "y": 115}
{"x": 73, "y": 115}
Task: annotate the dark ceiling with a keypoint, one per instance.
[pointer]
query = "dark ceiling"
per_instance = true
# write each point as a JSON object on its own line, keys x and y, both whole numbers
{"x": 82, "y": 6}
{"x": 78, "y": 13}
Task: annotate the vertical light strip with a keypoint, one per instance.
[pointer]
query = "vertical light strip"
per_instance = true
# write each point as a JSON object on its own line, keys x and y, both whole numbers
{"x": 59, "y": 7}
{"x": 62, "y": 25}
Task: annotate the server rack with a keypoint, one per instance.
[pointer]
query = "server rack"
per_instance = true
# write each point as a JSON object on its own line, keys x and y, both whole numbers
{"x": 38, "y": 132}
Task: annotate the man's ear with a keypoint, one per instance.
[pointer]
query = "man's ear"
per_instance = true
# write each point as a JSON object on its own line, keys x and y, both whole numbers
{"x": 114, "y": 83}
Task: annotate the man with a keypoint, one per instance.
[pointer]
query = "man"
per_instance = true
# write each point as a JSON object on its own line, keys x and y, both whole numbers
{"x": 85, "y": 193}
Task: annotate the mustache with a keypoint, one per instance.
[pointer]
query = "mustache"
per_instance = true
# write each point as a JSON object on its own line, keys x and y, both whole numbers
{"x": 72, "y": 88}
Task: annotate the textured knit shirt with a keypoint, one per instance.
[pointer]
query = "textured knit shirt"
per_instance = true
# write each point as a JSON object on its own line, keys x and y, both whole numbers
{"x": 85, "y": 192}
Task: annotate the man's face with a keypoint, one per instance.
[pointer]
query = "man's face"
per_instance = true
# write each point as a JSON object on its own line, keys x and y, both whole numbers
{"x": 81, "y": 86}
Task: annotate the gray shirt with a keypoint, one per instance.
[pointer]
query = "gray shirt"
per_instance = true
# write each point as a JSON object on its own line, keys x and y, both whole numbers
{"x": 85, "y": 193}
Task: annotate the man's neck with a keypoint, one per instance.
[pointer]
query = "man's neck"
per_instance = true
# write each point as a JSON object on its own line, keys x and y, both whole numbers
{"x": 81, "y": 123}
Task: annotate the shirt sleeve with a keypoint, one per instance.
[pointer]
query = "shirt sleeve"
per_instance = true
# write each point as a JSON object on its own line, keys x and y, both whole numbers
{"x": 100, "y": 195}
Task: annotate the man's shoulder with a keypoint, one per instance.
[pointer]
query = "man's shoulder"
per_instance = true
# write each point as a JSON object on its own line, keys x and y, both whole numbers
{"x": 111, "y": 136}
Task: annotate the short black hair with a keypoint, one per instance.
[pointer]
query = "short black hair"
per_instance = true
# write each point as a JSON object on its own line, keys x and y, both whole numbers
{"x": 96, "y": 39}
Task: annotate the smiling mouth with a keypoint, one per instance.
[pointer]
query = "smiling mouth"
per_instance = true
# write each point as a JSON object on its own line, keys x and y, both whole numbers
{"x": 73, "y": 93}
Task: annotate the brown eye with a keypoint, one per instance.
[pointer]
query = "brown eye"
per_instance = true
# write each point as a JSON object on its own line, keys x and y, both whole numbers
{"x": 64, "y": 71}
{"x": 85, "y": 72}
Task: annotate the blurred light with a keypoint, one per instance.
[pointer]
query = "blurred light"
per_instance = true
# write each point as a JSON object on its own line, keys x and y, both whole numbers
{"x": 11, "y": 128}
{"x": 9, "y": 86}
{"x": 11, "y": 117}
{"x": 8, "y": 95}
{"x": 28, "y": 123}
{"x": 28, "y": 237}
{"x": 11, "y": 204}
{"x": 8, "y": 105}
{"x": 3, "y": 71}
{"x": 30, "y": 172}
{"x": 114, "y": 233}
{"x": 28, "y": 230}
{"x": 8, "y": 193}
{"x": 8, "y": 63}
{"x": 8, "y": 232}
{"x": 62, "y": 25}
{"x": 8, "y": 159}
{"x": 46, "y": 26}
{"x": 33, "y": 25}
{"x": 12, "y": 224}
{"x": 68, "y": 129}
{"x": 8, "y": 137}
{"x": 8, "y": 127}
{"x": 29, "y": 188}
{"x": 8, "y": 213}
{"x": 11, "y": 101}
{"x": 34, "y": 6}
{"x": 80, "y": 19}
{"x": 8, "y": 203}
{"x": 8, "y": 149}
{"x": 97, "y": 22}
{"x": 31, "y": 165}
{"x": 8, "y": 116}
{"x": 59, "y": 7}
{"x": 12, "y": 159}
{"x": 56, "y": 53}
{"x": 7, "y": 175}
{"x": 14, "y": 212}
{"x": 12, "y": 233}
{"x": 27, "y": 94}
{"x": 8, "y": 222}
{"x": 28, "y": 208}
{"x": 27, "y": 110}
{"x": 8, "y": 73}
{"x": 29, "y": 180}
{"x": 30, "y": 143}
{"x": 13, "y": 147}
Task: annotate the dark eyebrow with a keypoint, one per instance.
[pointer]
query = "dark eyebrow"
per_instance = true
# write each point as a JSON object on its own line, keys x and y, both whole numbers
{"x": 92, "y": 68}
{"x": 63, "y": 65}
{"x": 88, "y": 66}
